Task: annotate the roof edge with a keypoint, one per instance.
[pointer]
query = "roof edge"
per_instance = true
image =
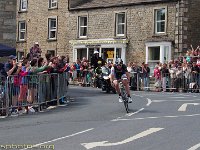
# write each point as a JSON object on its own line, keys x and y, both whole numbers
{"x": 122, "y": 5}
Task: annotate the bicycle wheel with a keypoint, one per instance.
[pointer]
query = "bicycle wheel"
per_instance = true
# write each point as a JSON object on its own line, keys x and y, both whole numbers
{"x": 126, "y": 105}
{"x": 125, "y": 99}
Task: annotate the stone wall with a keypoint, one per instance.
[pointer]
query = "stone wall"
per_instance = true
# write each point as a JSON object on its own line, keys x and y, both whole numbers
{"x": 140, "y": 18}
{"x": 193, "y": 21}
{"x": 101, "y": 25}
{"x": 8, "y": 22}
{"x": 36, "y": 18}
{"x": 187, "y": 25}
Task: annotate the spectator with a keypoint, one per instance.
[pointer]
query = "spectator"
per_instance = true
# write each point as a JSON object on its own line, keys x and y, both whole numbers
{"x": 157, "y": 75}
{"x": 130, "y": 69}
{"x": 11, "y": 66}
{"x": 78, "y": 66}
{"x": 195, "y": 73}
{"x": 165, "y": 74}
{"x": 35, "y": 51}
{"x": 187, "y": 75}
{"x": 145, "y": 75}
{"x": 179, "y": 78}
{"x": 172, "y": 71}
{"x": 95, "y": 58}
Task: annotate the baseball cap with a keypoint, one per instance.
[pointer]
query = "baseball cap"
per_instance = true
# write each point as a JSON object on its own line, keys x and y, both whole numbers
{"x": 36, "y": 43}
{"x": 12, "y": 57}
{"x": 119, "y": 61}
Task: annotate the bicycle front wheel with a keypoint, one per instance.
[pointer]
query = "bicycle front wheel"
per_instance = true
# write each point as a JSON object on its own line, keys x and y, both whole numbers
{"x": 126, "y": 105}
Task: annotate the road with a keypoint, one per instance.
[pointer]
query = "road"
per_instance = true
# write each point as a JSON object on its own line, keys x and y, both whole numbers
{"x": 96, "y": 120}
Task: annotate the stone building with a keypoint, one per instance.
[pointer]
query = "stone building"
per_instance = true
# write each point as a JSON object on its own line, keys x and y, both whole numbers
{"x": 8, "y": 22}
{"x": 135, "y": 30}
{"x": 45, "y": 22}
{"x": 148, "y": 31}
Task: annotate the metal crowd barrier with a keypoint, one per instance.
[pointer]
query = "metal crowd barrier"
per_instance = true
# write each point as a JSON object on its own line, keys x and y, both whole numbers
{"x": 181, "y": 82}
{"x": 3, "y": 101}
{"x": 19, "y": 92}
{"x": 184, "y": 82}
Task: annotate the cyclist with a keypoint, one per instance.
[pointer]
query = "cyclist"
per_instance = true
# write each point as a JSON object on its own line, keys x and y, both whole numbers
{"x": 119, "y": 71}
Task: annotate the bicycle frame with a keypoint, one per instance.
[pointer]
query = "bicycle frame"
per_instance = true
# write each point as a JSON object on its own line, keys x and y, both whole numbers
{"x": 124, "y": 95}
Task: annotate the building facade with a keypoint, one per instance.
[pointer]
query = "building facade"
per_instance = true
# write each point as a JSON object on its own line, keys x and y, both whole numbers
{"x": 148, "y": 31}
{"x": 45, "y": 22}
{"x": 136, "y": 30}
{"x": 8, "y": 22}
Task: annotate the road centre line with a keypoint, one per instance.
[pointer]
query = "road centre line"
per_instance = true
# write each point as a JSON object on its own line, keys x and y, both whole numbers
{"x": 148, "y": 104}
{"x": 131, "y": 114}
{"x": 158, "y": 101}
{"x": 195, "y": 147}
{"x": 57, "y": 139}
{"x": 193, "y": 115}
{"x": 187, "y": 95}
{"x": 137, "y": 95}
{"x": 177, "y": 97}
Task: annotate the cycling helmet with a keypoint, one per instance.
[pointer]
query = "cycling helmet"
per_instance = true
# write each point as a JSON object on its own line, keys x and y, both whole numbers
{"x": 99, "y": 62}
{"x": 118, "y": 61}
{"x": 96, "y": 52}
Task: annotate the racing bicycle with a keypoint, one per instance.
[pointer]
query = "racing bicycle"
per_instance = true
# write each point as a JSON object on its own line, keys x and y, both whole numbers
{"x": 123, "y": 94}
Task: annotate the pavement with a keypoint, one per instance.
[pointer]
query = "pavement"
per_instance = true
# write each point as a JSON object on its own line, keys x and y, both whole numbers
{"x": 96, "y": 120}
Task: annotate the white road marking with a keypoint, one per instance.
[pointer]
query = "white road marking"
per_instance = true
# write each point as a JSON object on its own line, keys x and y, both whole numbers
{"x": 135, "y": 137}
{"x": 184, "y": 106}
{"x": 160, "y": 117}
{"x": 131, "y": 114}
{"x": 51, "y": 107}
{"x": 149, "y": 102}
{"x": 177, "y": 97}
{"x": 3, "y": 117}
{"x": 137, "y": 95}
{"x": 158, "y": 101}
{"x": 187, "y": 95}
{"x": 195, "y": 147}
{"x": 61, "y": 138}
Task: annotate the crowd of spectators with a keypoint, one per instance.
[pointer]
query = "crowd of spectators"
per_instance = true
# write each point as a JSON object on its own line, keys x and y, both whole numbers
{"x": 177, "y": 74}
{"x": 22, "y": 87}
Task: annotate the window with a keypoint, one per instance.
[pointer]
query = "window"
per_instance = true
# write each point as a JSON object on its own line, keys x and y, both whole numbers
{"x": 22, "y": 31}
{"x": 20, "y": 55}
{"x": 157, "y": 52}
{"x": 83, "y": 27}
{"x": 82, "y": 52}
{"x": 160, "y": 20}
{"x": 23, "y": 5}
{"x": 154, "y": 54}
{"x": 52, "y": 52}
{"x": 52, "y": 28}
{"x": 53, "y": 3}
{"x": 120, "y": 24}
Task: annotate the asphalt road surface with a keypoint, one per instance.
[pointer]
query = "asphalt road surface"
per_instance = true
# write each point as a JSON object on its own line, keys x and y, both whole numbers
{"x": 97, "y": 121}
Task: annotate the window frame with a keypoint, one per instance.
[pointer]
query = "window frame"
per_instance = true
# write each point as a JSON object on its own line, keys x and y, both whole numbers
{"x": 21, "y": 30}
{"x": 162, "y": 46}
{"x": 117, "y": 24}
{"x": 52, "y": 30}
{"x": 51, "y": 3}
{"x": 52, "y": 52}
{"x": 20, "y": 54}
{"x": 21, "y": 5}
{"x": 157, "y": 21}
{"x": 79, "y": 26}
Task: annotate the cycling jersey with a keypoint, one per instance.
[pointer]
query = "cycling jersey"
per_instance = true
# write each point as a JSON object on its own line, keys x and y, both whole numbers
{"x": 119, "y": 72}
